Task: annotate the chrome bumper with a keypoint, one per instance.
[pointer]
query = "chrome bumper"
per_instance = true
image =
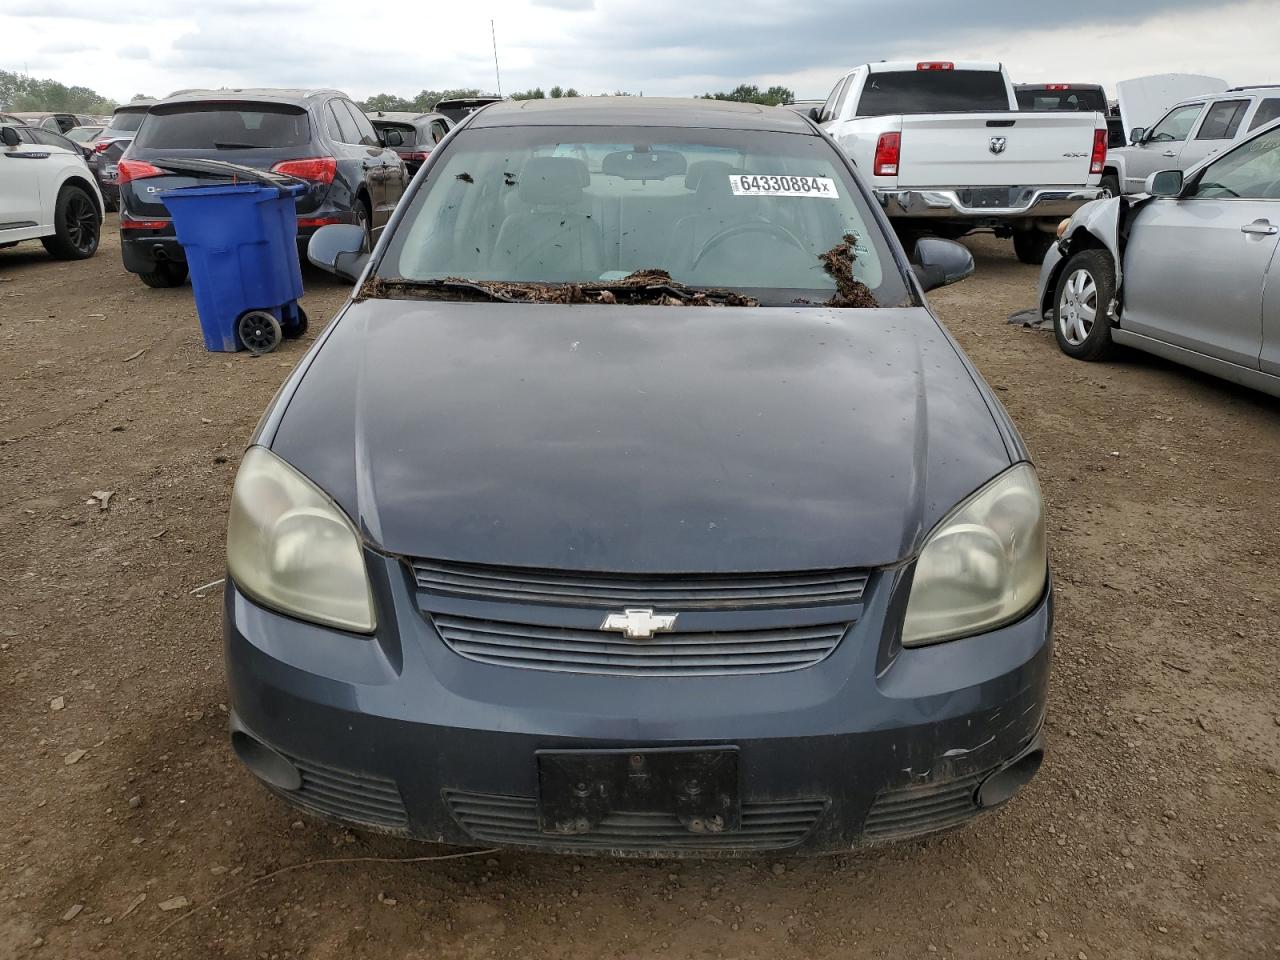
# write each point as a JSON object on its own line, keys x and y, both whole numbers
{"x": 956, "y": 202}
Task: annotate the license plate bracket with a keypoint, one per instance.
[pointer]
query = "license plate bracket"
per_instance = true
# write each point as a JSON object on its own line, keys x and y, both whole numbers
{"x": 577, "y": 789}
{"x": 987, "y": 197}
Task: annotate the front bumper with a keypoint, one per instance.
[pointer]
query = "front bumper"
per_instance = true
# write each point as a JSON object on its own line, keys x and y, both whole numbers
{"x": 401, "y": 734}
{"x": 977, "y": 203}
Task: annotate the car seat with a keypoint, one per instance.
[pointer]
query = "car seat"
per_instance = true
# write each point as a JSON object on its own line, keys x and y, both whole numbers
{"x": 552, "y": 239}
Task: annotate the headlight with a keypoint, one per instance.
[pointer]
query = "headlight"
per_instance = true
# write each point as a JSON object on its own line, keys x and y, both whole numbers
{"x": 1062, "y": 227}
{"x": 983, "y": 566}
{"x": 290, "y": 547}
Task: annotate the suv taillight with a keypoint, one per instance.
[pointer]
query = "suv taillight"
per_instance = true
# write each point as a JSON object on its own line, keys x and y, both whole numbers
{"x": 1099, "y": 158}
{"x": 101, "y": 146}
{"x": 935, "y": 65}
{"x": 316, "y": 169}
{"x": 127, "y": 170}
{"x": 888, "y": 152}
{"x": 416, "y": 156}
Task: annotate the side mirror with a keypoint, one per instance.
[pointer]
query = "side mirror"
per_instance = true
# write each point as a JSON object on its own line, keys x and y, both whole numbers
{"x": 1136, "y": 134}
{"x": 1164, "y": 183}
{"x": 10, "y": 137}
{"x": 339, "y": 248}
{"x": 940, "y": 263}
{"x": 815, "y": 114}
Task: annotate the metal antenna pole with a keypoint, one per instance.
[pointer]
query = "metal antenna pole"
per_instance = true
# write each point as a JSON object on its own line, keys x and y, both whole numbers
{"x": 494, "y": 36}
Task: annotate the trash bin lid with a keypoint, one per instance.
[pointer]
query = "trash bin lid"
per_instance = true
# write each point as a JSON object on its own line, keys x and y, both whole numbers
{"x": 233, "y": 171}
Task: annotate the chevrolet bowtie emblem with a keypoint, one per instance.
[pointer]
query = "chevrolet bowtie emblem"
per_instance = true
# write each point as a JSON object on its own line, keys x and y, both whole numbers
{"x": 639, "y": 624}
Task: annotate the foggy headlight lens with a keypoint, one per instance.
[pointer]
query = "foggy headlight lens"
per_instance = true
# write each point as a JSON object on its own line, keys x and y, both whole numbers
{"x": 292, "y": 548}
{"x": 984, "y": 566}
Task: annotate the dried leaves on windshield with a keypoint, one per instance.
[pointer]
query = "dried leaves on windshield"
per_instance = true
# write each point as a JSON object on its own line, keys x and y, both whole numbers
{"x": 838, "y": 262}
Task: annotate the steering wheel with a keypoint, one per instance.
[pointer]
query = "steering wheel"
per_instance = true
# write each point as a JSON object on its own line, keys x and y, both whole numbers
{"x": 751, "y": 226}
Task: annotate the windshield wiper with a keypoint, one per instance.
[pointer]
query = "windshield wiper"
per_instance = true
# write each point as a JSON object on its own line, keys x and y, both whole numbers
{"x": 650, "y": 286}
{"x": 226, "y": 145}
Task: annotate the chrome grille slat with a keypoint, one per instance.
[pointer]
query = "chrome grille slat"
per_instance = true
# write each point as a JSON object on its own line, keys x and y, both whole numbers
{"x": 766, "y": 825}
{"x": 687, "y": 591}
{"x": 568, "y": 650}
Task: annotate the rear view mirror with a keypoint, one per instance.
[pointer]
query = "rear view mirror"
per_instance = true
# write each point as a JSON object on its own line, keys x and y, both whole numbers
{"x": 1165, "y": 183}
{"x": 1136, "y": 134}
{"x": 939, "y": 263}
{"x": 10, "y": 137}
{"x": 339, "y": 248}
{"x": 644, "y": 164}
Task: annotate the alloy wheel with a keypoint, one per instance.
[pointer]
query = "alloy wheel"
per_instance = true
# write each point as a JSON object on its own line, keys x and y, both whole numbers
{"x": 81, "y": 221}
{"x": 1079, "y": 307}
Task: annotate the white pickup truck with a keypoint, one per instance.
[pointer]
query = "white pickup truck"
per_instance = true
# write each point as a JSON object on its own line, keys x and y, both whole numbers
{"x": 946, "y": 150}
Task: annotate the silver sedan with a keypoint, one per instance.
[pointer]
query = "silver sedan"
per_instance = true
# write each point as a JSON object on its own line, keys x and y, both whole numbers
{"x": 1188, "y": 271}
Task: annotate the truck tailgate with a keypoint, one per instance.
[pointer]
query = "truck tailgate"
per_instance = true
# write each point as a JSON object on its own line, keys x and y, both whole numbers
{"x": 1015, "y": 148}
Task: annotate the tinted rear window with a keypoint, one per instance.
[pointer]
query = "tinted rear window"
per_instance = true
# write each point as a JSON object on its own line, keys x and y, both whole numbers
{"x": 933, "y": 91}
{"x": 1034, "y": 98}
{"x": 127, "y": 121}
{"x": 223, "y": 126}
{"x": 408, "y": 132}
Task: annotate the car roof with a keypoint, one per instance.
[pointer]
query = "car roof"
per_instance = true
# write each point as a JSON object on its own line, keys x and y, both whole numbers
{"x": 266, "y": 94}
{"x": 1234, "y": 93}
{"x": 41, "y": 114}
{"x": 640, "y": 112}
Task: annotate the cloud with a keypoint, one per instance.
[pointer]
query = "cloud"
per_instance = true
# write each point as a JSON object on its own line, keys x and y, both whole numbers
{"x": 566, "y": 4}
{"x": 67, "y": 46}
{"x": 134, "y": 52}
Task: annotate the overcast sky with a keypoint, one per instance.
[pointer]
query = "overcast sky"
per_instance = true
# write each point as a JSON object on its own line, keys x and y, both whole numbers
{"x": 677, "y": 47}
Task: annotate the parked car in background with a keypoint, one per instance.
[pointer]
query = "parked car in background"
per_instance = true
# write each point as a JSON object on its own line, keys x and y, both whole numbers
{"x": 1141, "y": 101}
{"x": 947, "y": 150}
{"x": 58, "y": 122}
{"x": 765, "y": 577}
{"x": 318, "y": 136}
{"x": 47, "y": 194}
{"x": 804, "y": 107}
{"x": 1077, "y": 97}
{"x": 104, "y": 163}
{"x": 10, "y": 119}
{"x": 85, "y": 136}
{"x": 51, "y": 138}
{"x": 459, "y": 108}
{"x": 1189, "y": 132}
{"x": 127, "y": 119}
{"x": 1189, "y": 271}
{"x": 411, "y": 135}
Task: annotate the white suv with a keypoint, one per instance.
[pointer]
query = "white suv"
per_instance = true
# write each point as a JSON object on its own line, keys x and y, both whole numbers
{"x": 47, "y": 193}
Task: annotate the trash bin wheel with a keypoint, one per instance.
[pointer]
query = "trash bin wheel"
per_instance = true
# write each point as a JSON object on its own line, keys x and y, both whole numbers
{"x": 259, "y": 332}
{"x": 295, "y": 330}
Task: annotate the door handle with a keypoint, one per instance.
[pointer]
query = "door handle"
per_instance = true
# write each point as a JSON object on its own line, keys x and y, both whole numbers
{"x": 1263, "y": 228}
{"x": 1168, "y": 153}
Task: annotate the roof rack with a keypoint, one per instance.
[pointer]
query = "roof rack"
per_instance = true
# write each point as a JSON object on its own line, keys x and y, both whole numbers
{"x": 1254, "y": 86}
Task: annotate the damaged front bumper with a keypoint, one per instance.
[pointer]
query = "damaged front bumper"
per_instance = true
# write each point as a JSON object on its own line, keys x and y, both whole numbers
{"x": 399, "y": 733}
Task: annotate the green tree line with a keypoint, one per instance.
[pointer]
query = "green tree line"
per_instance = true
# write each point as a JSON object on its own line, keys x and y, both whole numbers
{"x": 427, "y": 99}
{"x": 18, "y": 93}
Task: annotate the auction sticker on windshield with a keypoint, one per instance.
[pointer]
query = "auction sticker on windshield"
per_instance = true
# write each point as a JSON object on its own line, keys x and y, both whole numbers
{"x": 768, "y": 185}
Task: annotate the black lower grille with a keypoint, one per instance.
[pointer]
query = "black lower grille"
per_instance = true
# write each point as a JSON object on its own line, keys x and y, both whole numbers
{"x": 513, "y": 821}
{"x": 912, "y": 811}
{"x": 357, "y": 797}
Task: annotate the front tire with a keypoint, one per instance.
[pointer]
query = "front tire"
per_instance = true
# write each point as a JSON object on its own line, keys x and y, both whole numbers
{"x": 1110, "y": 185}
{"x": 1030, "y": 246}
{"x": 165, "y": 275}
{"x": 77, "y": 224}
{"x": 1086, "y": 287}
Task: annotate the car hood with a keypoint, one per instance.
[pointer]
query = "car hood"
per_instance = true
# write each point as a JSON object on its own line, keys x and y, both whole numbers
{"x": 645, "y": 439}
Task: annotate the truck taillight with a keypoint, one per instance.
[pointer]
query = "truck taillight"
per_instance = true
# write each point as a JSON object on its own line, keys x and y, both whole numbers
{"x": 317, "y": 169}
{"x": 127, "y": 170}
{"x": 1057, "y": 86}
{"x": 935, "y": 65}
{"x": 1099, "y": 158}
{"x": 888, "y": 151}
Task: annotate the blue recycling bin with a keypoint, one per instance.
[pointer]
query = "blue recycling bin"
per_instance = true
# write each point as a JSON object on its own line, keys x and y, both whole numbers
{"x": 240, "y": 240}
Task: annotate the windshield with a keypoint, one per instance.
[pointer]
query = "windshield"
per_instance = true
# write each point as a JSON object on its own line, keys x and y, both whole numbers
{"x": 933, "y": 91}
{"x": 224, "y": 126}
{"x": 127, "y": 121}
{"x": 714, "y": 209}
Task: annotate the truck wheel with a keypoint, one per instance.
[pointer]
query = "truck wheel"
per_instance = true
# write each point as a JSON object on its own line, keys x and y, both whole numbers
{"x": 1086, "y": 286}
{"x": 1110, "y": 186}
{"x": 1031, "y": 245}
{"x": 76, "y": 223}
{"x": 165, "y": 275}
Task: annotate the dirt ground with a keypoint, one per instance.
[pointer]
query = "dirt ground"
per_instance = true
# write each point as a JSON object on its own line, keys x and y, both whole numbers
{"x": 1152, "y": 831}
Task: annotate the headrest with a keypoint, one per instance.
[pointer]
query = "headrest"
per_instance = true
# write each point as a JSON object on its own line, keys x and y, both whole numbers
{"x": 710, "y": 177}
{"x": 555, "y": 180}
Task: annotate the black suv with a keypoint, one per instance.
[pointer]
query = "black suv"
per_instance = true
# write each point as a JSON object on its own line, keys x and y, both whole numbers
{"x": 319, "y": 136}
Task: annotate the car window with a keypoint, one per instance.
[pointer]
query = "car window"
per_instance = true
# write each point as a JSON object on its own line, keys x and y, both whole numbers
{"x": 341, "y": 126}
{"x": 838, "y": 109}
{"x": 1267, "y": 111}
{"x": 365, "y": 134}
{"x": 713, "y": 208}
{"x": 1061, "y": 97}
{"x": 1249, "y": 172}
{"x": 224, "y": 126}
{"x": 127, "y": 121}
{"x": 1222, "y": 120}
{"x": 932, "y": 91}
{"x": 27, "y": 134}
{"x": 828, "y": 108}
{"x": 438, "y": 130}
{"x": 1176, "y": 124}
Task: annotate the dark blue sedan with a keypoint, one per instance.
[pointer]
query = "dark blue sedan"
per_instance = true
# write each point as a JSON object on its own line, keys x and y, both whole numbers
{"x": 637, "y": 503}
